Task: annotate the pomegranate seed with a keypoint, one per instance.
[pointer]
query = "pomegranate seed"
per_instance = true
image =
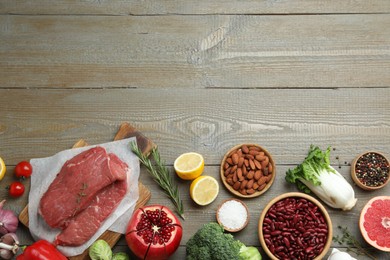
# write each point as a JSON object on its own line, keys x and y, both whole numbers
{"x": 155, "y": 227}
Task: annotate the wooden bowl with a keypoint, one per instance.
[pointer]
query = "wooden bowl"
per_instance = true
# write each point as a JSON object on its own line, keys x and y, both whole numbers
{"x": 232, "y": 211}
{"x": 280, "y": 213}
{"x": 356, "y": 179}
{"x": 269, "y": 175}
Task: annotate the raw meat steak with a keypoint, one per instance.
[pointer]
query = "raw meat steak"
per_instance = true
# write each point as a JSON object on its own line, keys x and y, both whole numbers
{"x": 87, "y": 222}
{"x": 78, "y": 183}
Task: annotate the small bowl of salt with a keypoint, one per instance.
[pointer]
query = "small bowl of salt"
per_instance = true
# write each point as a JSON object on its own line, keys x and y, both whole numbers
{"x": 233, "y": 215}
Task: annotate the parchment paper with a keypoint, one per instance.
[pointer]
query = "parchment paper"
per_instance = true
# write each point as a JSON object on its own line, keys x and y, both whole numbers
{"x": 44, "y": 172}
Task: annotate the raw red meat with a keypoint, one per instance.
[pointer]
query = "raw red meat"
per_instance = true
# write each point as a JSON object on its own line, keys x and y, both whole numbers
{"x": 86, "y": 223}
{"x": 85, "y": 192}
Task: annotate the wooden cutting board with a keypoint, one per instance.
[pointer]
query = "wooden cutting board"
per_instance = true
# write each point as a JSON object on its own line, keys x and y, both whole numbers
{"x": 146, "y": 145}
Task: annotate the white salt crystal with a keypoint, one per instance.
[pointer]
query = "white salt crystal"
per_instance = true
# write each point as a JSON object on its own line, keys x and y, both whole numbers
{"x": 232, "y": 214}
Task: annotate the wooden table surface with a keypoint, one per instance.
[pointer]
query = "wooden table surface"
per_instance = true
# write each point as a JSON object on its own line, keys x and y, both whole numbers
{"x": 198, "y": 76}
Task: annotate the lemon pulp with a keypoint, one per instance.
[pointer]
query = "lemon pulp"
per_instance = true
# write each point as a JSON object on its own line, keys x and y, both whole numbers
{"x": 204, "y": 190}
{"x": 189, "y": 166}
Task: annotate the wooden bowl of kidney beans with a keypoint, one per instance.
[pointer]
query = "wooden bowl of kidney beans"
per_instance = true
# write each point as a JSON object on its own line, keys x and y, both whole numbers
{"x": 295, "y": 225}
{"x": 370, "y": 170}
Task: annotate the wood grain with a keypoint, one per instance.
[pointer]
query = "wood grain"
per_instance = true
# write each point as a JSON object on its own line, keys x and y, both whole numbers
{"x": 125, "y": 131}
{"x": 191, "y": 51}
{"x": 198, "y": 76}
{"x": 203, "y": 7}
{"x": 209, "y": 121}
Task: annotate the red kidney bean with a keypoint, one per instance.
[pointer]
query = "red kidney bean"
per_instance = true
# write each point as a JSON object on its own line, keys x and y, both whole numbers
{"x": 276, "y": 233}
{"x": 295, "y": 228}
{"x": 286, "y": 242}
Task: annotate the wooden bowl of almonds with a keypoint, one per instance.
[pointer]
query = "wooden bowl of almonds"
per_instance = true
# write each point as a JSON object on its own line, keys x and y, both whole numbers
{"x": 247, "y": 170}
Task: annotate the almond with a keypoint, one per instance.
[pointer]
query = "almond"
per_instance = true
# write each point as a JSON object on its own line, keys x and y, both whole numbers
{"x": 257, "y": 175}
{"x": 270, "y": 167}
{"x": 249, "y": 156}
{"x": 257, "y": 164}
{"x": 260, "y": 157}
{"x": 265, "y": 171}
{"x": 235, "y": 158}
{"x": 249, "y": 185}
{"x": 250, "y": 175}
{"x": 255, "y": 148}
{"x": 244, "y": 170}
{"x": 261, "y": 187}
{"x": 246, "y": 162}
{"x": 252, "y": 165}
{"x": 229, "y": 160}
{"x": 235, "y": 177}
{"x": 243, "y": 192}
{"x": 227, "y": 171}
{"x": 245, "y": 149}
{"x": 240, "y": 162}
{"x": 236, "y": 185}
{"x": 262, "y": 180}
{"x": 239, "y": 173}
{"x": 250, "y": 191}
{"x": 243, "y": 184}
{"x": 225, "y": 166}
{"x": 265, "y": 162}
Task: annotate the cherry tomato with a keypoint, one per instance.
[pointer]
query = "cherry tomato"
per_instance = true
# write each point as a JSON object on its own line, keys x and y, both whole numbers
{"x": 23, "y": 170}
{"x": 16, "y": 189}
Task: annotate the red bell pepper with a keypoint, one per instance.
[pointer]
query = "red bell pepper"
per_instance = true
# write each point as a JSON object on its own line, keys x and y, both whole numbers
{"x": 41, "y": 250}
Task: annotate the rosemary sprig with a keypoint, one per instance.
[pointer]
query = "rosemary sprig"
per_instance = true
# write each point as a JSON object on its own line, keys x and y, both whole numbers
{"x": 160, "y": 174}
{"x": 352, "y": 243}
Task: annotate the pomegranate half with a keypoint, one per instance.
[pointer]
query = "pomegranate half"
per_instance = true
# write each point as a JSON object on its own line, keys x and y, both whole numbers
{"x": 153, "y": 233}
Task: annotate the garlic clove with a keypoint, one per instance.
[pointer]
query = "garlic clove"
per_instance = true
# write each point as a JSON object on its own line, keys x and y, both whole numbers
{"x": 6, "y": 254}
{"x": 8, "y": 220}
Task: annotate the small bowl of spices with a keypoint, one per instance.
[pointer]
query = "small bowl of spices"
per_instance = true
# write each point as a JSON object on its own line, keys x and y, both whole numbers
{"x": 295, "y": 225}
{"x": 370, "y": 170}
{"x": 233, "y": 215}
{"x": 247, "y": 170}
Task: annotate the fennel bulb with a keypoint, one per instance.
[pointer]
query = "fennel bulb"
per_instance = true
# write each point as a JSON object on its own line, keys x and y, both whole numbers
{"x": 315, "y": 174}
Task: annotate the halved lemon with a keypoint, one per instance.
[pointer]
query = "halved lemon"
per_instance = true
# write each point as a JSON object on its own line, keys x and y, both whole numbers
{"x": 2, "y": 168}
{"x": 189, "y": 166}
{"x": 204, "y": 190}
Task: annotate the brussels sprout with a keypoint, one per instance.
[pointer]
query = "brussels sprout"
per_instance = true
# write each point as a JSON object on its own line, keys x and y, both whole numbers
{"x": 100, "y": 250}
{"x": 120, "y": 256}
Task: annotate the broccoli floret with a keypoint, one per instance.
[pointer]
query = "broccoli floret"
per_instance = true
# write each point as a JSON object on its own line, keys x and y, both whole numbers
{"x": 210, "y": 242}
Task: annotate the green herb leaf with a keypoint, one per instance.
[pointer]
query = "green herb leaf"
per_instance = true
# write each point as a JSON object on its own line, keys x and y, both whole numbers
{"x": 352, "y": 243}
{"x": 309, "y": 170}
{"x": 160, "y": 174}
